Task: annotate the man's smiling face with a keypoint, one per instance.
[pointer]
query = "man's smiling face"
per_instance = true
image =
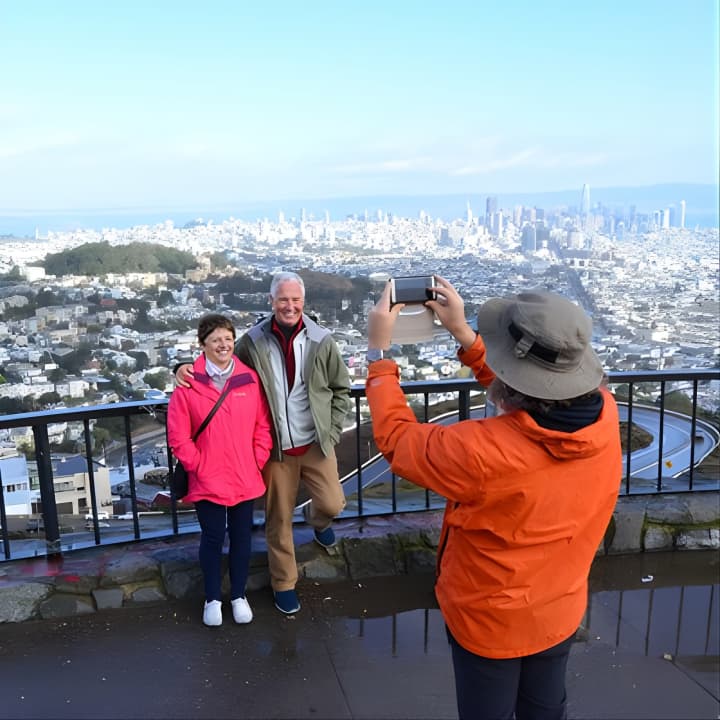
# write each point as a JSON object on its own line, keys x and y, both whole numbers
{"x": 288, "y": 303}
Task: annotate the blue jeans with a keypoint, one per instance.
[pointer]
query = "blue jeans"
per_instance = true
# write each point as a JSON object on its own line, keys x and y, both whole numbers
{"x": 526, "y": 688}
{"x": 215, "y": 520}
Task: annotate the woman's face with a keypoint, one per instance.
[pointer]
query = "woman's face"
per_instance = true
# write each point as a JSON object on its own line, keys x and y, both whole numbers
{"x": 218, "y": 347}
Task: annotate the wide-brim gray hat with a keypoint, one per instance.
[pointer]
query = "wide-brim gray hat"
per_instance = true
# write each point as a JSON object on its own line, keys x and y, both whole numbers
{"x": 538, "y": 343}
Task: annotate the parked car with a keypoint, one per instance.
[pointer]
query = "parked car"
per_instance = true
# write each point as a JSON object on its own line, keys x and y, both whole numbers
{"x": 90, "y": 525}
{"x": 102, "y": 515}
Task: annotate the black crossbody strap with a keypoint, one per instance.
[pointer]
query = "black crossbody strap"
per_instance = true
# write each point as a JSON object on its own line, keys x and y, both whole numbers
{"x": 204, "y": 423}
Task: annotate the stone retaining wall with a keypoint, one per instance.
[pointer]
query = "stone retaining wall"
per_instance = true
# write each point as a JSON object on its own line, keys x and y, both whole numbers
{"x": 153, "y": 571}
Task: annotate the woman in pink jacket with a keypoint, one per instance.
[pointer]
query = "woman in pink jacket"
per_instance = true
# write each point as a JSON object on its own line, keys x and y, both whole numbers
{"x": 224, "y": 461}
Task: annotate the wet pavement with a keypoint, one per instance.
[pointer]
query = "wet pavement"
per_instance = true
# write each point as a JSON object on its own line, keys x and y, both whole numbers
{"x": 370, "y": 649}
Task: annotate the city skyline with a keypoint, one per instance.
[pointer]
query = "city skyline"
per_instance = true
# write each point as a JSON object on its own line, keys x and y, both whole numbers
{"x": 171, "y": 105}
{"x": 697, "y": 205}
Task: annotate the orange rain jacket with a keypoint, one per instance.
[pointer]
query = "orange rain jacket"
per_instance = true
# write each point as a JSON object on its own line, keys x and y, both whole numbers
{"x": 527, "y": 508}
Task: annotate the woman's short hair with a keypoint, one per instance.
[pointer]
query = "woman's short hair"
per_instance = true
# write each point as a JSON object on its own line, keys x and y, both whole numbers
{"x": 212, "y": 321}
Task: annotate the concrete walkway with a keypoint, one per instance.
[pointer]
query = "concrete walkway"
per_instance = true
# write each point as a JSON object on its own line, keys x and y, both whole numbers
{"x": 371, "y": 649}
{"x": 116, "y": 631}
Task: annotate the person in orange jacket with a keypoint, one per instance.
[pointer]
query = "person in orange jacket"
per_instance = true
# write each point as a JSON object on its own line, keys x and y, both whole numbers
{"x": 530, "y": 492}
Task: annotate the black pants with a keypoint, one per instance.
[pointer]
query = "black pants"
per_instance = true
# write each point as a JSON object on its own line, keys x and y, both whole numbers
{"x": 215, "y": 520}
{"x": 525, "y": 688}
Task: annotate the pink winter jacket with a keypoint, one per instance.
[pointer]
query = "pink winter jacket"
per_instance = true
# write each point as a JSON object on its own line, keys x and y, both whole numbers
{"x": 224, "y": 463}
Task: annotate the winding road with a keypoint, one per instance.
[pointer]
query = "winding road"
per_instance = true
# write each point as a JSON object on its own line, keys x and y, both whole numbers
{"x": 675, "y": 457}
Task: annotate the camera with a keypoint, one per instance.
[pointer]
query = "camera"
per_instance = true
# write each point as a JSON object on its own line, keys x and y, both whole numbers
{"x": 412, "y": 290}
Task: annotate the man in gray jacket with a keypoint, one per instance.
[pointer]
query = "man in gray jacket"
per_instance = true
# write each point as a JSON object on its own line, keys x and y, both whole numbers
{"x": 308, "y": 390}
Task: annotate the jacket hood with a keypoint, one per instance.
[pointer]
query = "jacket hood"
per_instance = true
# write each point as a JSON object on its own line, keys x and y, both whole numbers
{"x": 567, "y": 445}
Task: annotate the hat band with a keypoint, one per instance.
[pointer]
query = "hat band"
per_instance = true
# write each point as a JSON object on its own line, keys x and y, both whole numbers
{"x": 524, "y": 347}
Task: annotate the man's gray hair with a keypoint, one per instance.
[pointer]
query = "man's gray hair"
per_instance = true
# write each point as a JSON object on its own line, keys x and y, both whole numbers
{"x": 282, "y": 277}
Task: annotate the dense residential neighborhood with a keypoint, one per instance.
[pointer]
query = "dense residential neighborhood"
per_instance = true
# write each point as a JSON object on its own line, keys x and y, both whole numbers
{"x": 79, "y": 339}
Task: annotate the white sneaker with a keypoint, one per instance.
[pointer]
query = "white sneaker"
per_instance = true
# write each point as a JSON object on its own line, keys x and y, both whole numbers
{"x": 241, "y": 611}
{"x": 212, "y": 613}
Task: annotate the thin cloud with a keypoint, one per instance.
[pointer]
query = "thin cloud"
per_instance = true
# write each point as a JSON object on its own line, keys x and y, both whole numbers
{"x": 382, "y": 167}
{"x": 575, "y": 160}
{"x": 532, "y": 158}
{"x": 519, "y": 159}
{"x": 57, "y": 142}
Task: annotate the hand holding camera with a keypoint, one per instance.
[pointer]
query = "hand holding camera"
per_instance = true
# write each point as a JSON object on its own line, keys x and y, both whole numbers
{"x": 412, "y": 290}
{"x": 449, "y": 309}
{"x": 432, "y": 291}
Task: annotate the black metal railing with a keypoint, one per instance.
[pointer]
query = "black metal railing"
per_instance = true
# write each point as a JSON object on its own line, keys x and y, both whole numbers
{"x": 675, "y": 409}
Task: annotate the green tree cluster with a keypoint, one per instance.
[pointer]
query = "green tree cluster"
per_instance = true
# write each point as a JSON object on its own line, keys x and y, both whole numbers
{"x": 100, "y": 258}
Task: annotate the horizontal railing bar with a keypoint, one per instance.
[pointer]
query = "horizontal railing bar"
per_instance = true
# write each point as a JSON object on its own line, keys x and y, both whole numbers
{"x": 387, "y": 501}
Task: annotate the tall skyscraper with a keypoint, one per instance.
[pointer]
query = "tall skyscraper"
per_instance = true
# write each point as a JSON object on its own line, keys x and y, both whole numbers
{"x": 490, "y": 210}
{"x": 682, "y": 214}
{"x": 517, "y": 215}
{"x": 585, "y": 201}
{"x": 529, "y": 238}
{"x": 496, "y": 227}
{"x": 469, "y": 214}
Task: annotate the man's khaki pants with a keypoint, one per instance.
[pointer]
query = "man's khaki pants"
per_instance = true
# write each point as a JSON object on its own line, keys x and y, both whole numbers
{"x": 319, "y": 474}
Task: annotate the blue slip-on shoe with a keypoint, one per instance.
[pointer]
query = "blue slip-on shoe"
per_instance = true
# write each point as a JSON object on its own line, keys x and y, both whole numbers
{"x": 286, "y": 601}
{"x": 325, "y": 537}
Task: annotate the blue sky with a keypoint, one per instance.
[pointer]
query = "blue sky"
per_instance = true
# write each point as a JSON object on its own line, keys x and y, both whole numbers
{"x": 173, "y": 104}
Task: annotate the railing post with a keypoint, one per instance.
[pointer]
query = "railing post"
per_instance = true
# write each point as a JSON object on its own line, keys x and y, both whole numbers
{"x": 47, "y": 490}
{"x": 91, "y": 480}
{"x": 661, "y": 436}
{"x": 463, "y": 404}
{"x": 4, "y": 532}
{"x": 357, "y": 454}
{"x": 173, "y": 500}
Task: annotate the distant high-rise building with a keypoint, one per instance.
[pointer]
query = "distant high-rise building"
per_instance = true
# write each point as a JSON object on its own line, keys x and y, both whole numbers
{"x": 517, "y": 215}
{"x": 529, "y": 238}
{"x": 666, "y": 218}
{"x": 682, "y": 214}
{"x": 496, "y": 224}
{"x": 585, "y": 200}
{"x": 490, "y": 210}
{"x": 469, "y": 214}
